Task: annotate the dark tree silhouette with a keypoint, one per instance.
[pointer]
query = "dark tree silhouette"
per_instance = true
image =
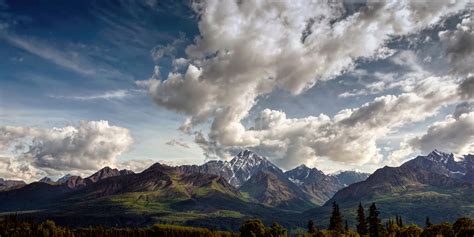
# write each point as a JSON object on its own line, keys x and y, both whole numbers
{"x": 335, "y": 222}
{"x": 311, "y": 227}
{"x": 428, "y": 222}
{"x": 375, "y": 225}
{"x": 362, "y": 227}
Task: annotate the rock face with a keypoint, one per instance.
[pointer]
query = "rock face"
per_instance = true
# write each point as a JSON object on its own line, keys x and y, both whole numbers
{"x": 319, "y": 186}
{"x": 236, "y": 171}
{"x": 6, "y": 184}
{"x": 106, "y": 172}
{"x": 436, "y": 170}
{"x": 424, "y": 186}
{"x": 347, "y": 178}
{"x": 272, "y": 187}
{"x": 46, "y": 180}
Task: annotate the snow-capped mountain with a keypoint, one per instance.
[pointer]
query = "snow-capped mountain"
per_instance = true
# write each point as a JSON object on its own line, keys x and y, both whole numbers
{"x": 238, "y": 170}
{"x": 63, "y": 179}
{"x": 314, "y": 182}
{"x": 321, "y": 186}
{"x": 437, "y": 171}
{"x": 349, "y": 177}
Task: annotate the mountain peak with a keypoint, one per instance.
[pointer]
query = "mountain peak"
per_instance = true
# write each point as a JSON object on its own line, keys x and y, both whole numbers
{"x": 248, "y": 158}
{"x": 302, "y": 167}
{"x": 45, "y": 180}
{"x": 107, "y": 172}
{"x": 63, "y": 179}
{"x": 248, "y": 154}
{"x": 439, "y": 156}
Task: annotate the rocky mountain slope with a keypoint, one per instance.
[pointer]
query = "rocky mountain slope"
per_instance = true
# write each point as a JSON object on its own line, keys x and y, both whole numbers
{"x": 272, "y": 187}
{"x": 424, "y": 186}
{"x": 6, "y": 184}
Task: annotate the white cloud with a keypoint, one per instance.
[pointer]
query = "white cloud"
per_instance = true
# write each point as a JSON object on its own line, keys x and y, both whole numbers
{"x": 246, "y": 49}
{"x": 107, "y": 95}
{"x": 87, "y": 146}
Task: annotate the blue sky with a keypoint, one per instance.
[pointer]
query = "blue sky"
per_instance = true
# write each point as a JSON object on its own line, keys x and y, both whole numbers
{"x": 148, "y": 66}
{"x": 56, "y": 50}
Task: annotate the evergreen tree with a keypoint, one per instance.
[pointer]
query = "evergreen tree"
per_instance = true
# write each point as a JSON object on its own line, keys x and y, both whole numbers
{"x": 428, "y": 222}
{"x": 253, "y": 228}
{"x": 335, "y": 222}
{"x": 362, "y": 228}
{"x": 400, "y": 221}
{"x": 276, "y": 230}
{"x": 311, "y": 227}
{"x": 346, "y": 226}
{"x": 374, "y": 221}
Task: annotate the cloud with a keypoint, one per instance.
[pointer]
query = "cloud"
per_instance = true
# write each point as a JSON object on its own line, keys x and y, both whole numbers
{"x": 350, "y": 136}
{"x": 460, "y": 46}
{"x": 247, "y": 49}
{"x": 174, "y": 142}
{"x": 168, "y": 50}
{"x": 135, "y": 165}
{"x": 107, "y": 95}
{"x": 68, "y": 57}
{"x": 466, "y": 89}
{"x": 87, "y": 146}
{"x": 453, "y": 134}
{"x": 10, "y": 168}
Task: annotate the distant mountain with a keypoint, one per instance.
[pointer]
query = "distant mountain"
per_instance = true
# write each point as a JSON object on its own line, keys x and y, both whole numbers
{"x": 347, "y": 178}
{"x": 63, "y": 179}
{"x": 236, "y": 171}
{"x": 6, "y": 184}
{"x": 158, "y": 177}
{"x": 160, "y": 193}
{"x": 420, "y": 187}
{"x": 107, "y": 172}
{"x": 46, "y": 180}
{"x": 319, "y": 186}
{"x": 272, "y": 187}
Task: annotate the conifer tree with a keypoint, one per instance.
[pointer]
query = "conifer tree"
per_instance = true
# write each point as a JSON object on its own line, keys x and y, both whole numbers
{"x": 374, "y": 221}
{"x": 346, "y": 226}
{"x": 311, "y": 227}
{"x": 362, "y": 228}
{"x": 428, "y": 222}
{"x": 335, "y": 222}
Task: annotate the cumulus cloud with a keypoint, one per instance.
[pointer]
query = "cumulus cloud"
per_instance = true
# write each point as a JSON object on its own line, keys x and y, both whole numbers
{"x": 460, "y": 46}
{"x": 246, "y": 49}
{"x": 455, "y": 133}
{"x": 87, "y": 146}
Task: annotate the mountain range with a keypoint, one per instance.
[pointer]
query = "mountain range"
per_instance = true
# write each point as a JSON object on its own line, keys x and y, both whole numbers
{"x": 219, "y": 194}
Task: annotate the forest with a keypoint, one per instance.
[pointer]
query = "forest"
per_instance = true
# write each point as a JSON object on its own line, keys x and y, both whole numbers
{"x": 369, "y": 225}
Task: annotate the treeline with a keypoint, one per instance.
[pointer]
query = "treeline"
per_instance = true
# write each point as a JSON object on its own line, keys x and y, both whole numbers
{"x": 372, "y": 226}
{"x": 367, "y": 226}
{"x": 12, "y": 226}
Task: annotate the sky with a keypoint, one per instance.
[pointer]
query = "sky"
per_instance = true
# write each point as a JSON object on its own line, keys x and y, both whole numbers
{"x": 337, "y": 85}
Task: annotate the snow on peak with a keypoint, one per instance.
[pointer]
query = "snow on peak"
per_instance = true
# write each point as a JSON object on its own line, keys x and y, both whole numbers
{"x": 439, "y": 156}
{"x": 63, "y": 179}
